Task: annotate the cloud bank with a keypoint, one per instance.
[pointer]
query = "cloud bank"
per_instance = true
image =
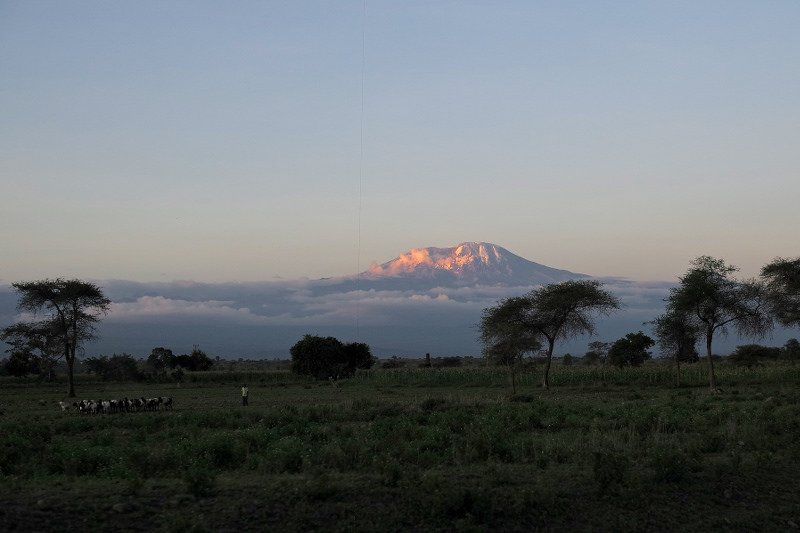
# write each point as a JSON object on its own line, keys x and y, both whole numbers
{"x": 265, "y": 319}
{"x": 256, "y": 320}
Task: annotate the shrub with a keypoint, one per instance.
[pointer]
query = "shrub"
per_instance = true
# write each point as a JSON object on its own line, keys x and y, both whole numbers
{"x": 433, "y": 404}
{"x": 200, "y": 479}
{"x": 750, "y": 355}
{"x": 19, "y": 364}
{"x": 631, "y": 350}
{"x": 791, "y": 350}
{"x": 160, "y": 359}
{"x": 197, "y": 361}
{"x": 394, "y": 362}
{"x": 609, "y": 469}
{"x": 447, "y": 362}
{"x": 669, "y": 464}
{"x": 121, "y": 367}
{"x": 592, "y": 358}
{"x": 327, "y": 357}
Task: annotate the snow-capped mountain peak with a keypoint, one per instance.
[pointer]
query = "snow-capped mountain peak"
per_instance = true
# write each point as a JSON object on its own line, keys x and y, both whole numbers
{"x": 468, "y": 262}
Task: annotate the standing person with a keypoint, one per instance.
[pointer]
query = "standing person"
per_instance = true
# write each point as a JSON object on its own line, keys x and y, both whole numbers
{"x": 245, "y": 392}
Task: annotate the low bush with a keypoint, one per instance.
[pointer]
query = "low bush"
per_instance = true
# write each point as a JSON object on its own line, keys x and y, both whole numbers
{"x": 199, "y": 479}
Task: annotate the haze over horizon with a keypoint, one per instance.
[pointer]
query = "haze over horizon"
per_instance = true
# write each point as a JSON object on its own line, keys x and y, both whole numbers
{"x": 159, "y": 141}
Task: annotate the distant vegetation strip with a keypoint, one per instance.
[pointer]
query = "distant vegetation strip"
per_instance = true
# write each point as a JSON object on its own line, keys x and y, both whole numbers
{"x": 654, "y": 373}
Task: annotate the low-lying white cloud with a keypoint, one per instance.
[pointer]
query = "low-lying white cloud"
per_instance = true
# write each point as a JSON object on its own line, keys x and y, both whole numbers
{"x": 290, "y": 304}
{"x": 150, "y": 307}
{"x": 252, "y": 319}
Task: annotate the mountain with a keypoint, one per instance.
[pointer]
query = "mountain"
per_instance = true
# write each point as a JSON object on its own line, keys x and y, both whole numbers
{"x": 466, "y": 264}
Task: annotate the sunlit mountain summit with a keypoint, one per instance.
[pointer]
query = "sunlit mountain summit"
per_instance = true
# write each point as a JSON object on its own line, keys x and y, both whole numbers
{"x": 468, "y": 263}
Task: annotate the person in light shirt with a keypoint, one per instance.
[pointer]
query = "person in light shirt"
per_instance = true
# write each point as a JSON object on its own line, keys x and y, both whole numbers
{"x": 245, "y": 392}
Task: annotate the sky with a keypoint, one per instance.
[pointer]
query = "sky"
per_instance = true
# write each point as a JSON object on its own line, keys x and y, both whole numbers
{"x": 157, "y": 141}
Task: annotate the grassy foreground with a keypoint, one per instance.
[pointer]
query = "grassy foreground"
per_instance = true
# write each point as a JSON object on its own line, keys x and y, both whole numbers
{"x": 432, "y": 449}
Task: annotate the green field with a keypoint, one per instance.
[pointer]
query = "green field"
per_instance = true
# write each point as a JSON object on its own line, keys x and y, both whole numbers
{"x": 418, "y": 449}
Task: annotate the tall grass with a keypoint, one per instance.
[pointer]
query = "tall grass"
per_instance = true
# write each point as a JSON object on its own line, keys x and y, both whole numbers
{"x": 365, "y": 433}
{"x": 655, "y": 374}
{"x": 434, "y": 448}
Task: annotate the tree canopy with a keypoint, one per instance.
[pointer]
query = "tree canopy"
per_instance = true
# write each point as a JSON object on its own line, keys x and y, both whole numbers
{"x": 197, "y": 361}
{"x": 65, "y": 314}
{"x": 677, "y": 336}
{"x": 712, "y": 300}
{"x": 160, "y": 359}
{"x": 328, "y": 357}
{"x": 597, "y": 353}
{"x": 546, "y": 314}
{"x": 35, "y": 348}
{"x": 751, "y": 355}
{"x": 630, "y": 350}
{"x": 503, "y": 332}
{"x": 782, "y": 277}
{"x": 122, "y": 367}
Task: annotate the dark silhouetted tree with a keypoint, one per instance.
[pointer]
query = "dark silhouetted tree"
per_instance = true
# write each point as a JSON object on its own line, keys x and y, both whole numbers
{"x": 197, "y": 361}
{"x": 557, "y": 311}
{"x": 782, "y": 277}
{"x": 68, "y": 309}
{"x": 357, "y": 355}
{"x": 121, "y": 367}
{"x": 713, "y": 300}
{"x": 328, "y": 357}
{"x": 505, "y": 337}
{"x": 160, "y": 359}
{"x": 35, "y": 348}
{"x": 597, "y": 353}
{"x": 791, "y": 350}
{"x": 20, "y": 364}
{"x": 677, "y": 336}
{"x": 630, "y": 350}
{"x": 751, "y": 355}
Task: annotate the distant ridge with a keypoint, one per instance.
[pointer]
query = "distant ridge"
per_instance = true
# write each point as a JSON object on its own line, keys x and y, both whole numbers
{"x": 468, "y": 263}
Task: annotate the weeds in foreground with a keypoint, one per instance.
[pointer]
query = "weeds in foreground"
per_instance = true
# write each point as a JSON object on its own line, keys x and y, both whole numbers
{"x": 462, "y": 455}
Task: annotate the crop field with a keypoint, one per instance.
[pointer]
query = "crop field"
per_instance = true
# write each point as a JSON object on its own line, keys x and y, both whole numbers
{"x": 410, "y": 449}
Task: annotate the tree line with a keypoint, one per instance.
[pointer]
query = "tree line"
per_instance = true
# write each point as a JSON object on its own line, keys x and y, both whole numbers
{"x": 62, "y": 315}
{"x": 708, "y": 301}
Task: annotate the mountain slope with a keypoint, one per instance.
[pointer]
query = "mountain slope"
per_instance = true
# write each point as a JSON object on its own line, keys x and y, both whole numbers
{"x": 468, "y": 263}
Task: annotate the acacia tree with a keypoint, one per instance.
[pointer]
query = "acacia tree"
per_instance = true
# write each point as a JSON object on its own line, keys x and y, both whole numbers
{"x": 597, "y": 353}
{"x": 677, "y": 336}
{"x": 505, "y": 337}
{"x": 34, "y": 348}
{"x": 69, "y": 311}
{"x": 560, "y": 311}
{"x": 782, "y": 277}
{"x": 713, "y": 300}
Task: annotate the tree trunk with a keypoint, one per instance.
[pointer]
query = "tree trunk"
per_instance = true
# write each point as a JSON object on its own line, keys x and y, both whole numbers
{"x": 546, "y": 378}
{"x": 72, "y": 347}
{"x": 711, "y": 377}
{"x": 69, "y": 360}
{"x": 70, "y": 381}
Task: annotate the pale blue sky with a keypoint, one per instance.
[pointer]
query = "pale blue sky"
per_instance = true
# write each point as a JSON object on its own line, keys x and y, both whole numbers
{"x": 219, "y": 141}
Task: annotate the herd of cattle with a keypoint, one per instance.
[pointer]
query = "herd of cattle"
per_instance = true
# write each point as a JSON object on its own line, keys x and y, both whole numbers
{"x": 125, "y": 405}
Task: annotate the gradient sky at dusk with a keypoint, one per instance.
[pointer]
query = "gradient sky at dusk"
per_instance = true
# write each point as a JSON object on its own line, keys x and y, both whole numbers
{"x": 217, "y": 141}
